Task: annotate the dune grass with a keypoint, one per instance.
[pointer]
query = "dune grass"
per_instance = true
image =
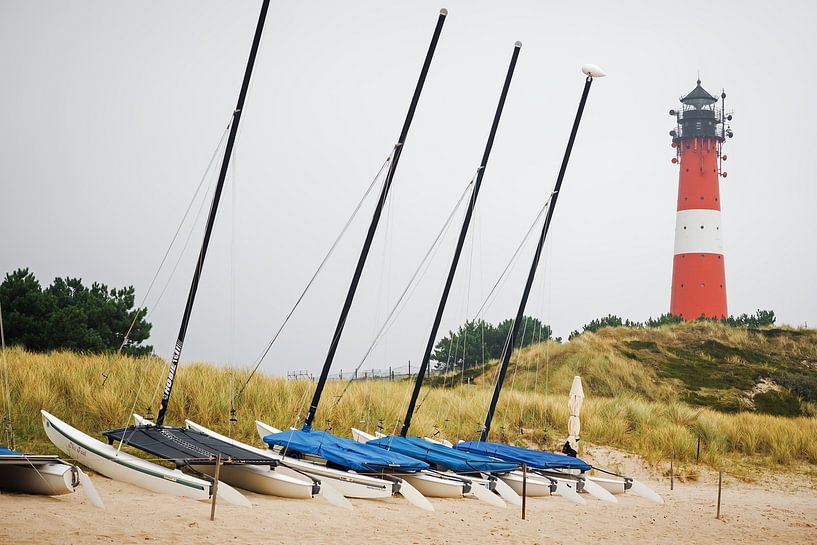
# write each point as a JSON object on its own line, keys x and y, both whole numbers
{"x": 700, "y": 363}
{"x": 626, "y": 408}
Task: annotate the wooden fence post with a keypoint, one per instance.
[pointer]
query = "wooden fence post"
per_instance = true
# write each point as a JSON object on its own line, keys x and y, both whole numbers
{"x": 524, "y": 488}
{"x": 720, "y": 484}
{"x": 215, "y": 488}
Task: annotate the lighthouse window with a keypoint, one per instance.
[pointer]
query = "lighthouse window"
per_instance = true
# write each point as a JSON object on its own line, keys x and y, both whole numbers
{"x": 702, "y": 226}
{"x": 682, "y": 285}
{"x": 702, "y": 197}
{"x": 685, "y": 227}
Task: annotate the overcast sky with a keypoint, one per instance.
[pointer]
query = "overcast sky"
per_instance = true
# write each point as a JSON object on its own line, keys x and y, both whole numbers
{"x": 111, "y": 110}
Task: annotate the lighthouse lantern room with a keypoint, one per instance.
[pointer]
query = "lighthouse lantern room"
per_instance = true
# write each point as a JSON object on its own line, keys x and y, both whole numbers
{"x": 698, "y": 272}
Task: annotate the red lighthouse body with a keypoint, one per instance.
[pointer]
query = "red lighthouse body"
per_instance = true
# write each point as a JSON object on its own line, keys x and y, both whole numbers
{"x": 698, "y": 272}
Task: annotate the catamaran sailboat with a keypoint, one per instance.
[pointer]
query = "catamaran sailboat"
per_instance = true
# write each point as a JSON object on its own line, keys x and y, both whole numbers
{"x": 558, "y": 467}
{"x": 187, "y": 448}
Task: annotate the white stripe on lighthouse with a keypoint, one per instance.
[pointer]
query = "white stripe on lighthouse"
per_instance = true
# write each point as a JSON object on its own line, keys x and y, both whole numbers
{"x": 698, "y": 232}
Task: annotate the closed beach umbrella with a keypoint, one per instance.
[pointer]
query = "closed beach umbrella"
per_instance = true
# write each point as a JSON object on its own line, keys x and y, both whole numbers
{"x": 574, "y": 403}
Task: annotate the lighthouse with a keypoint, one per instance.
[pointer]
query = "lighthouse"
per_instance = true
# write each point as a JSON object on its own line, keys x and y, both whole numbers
{"x": 698, "y": 270}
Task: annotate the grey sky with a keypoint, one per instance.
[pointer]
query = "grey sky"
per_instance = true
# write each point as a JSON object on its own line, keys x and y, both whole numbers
{"x": 111, "y": 111}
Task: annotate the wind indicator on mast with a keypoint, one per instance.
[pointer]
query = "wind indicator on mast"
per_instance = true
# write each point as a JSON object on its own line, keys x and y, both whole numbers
{"x": 592, "y": 72}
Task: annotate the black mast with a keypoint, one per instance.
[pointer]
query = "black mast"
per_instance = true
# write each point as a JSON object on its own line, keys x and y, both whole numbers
{"x": 211, "y": 218}
{"x": 463, "y": 232}
{"x": 506, "y": 353}
{"x": 364, "y": 252}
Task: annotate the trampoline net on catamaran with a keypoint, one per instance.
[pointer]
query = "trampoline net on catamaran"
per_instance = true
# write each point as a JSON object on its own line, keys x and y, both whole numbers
{"x": 185, "y": 446}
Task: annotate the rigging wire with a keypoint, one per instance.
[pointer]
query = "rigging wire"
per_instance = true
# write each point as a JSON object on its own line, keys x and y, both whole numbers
{"x": 315, "y": 275}
{"x": 7, "y": 421}
{"x": 547, "y": 347}
{"x": 160, "y": 380}
{"x": 411, "y": 285}
{"x": 233, "y": 236}
{"x": 502, "y": 277}
{"x": 383, "y": 285}
{"x": 428, "y": 260}
{"x": 167, "y": 252}
{"x": 173, "y": 240}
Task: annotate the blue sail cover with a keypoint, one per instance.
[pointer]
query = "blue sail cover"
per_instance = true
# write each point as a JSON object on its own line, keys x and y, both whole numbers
{"x": 344, "y": 452}
{"x": 536, "y": 459}
{"x": 5, "y": 451}
{"x": 440, "y": 455}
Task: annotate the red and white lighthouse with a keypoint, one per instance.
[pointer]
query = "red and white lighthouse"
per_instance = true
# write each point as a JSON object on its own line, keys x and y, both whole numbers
{"x": 698, "y": 272}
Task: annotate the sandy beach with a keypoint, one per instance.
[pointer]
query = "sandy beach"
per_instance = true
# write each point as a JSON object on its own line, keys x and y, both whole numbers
{"x": 782, "y": 508}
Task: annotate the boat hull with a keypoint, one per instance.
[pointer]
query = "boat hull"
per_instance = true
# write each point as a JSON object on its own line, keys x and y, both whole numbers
{"x": 613, "y": 486}
{"x": 348, "y": 483}
{"x": 535, "y": 488}
{"x": 260, "y": 480}
{"x": 266, "y": 480}
{"x": 49, "y": 479}
{"x": 351, "y": 485}
{"x": 121, "y": 466}
{"x": 435, "y": 487}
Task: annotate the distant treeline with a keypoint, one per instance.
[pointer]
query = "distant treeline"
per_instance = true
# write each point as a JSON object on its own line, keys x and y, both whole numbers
{"x": 478, "y": 341}
{"x": 69, "y": 315}
{"x": 760, "y": 318}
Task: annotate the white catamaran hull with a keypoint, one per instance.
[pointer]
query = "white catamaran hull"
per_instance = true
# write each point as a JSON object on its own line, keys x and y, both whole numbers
{"x": 121, "y": 466}
{"x": 348, "y": 483}
{"x": 259, "y": 479}
{"x": 613, "y": 486}
{"x": 429, "y": 485}
{"x": 540, "y": 486}
{"x": 50, "y": 479}
{"x": 618, "y": 485}
{"x": 536, "y": 488}
{"x": 434, "y": 487}
{"x": 625, "y": 485}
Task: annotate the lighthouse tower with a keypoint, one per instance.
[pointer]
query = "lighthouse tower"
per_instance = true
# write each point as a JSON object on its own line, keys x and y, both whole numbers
{"x": 698, "y": 273}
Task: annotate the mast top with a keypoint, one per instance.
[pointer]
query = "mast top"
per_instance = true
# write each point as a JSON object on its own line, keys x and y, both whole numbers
{"x": 593, "y": 71}
{"x": 443, "y": 11}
